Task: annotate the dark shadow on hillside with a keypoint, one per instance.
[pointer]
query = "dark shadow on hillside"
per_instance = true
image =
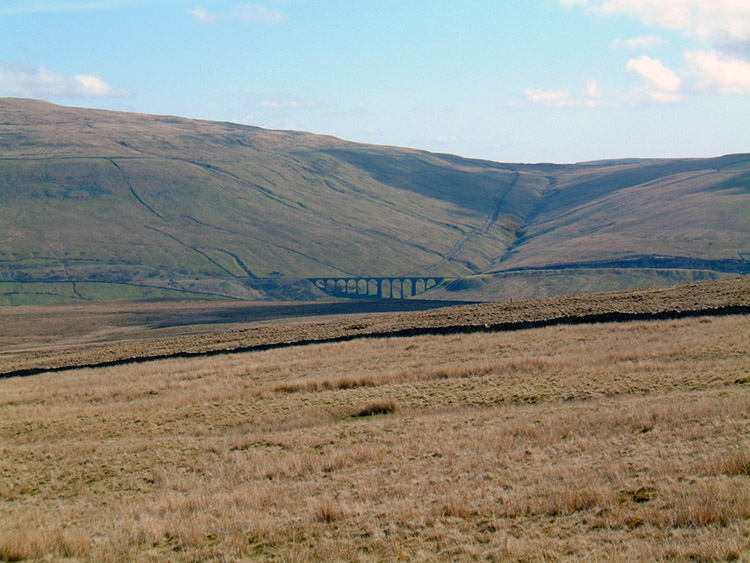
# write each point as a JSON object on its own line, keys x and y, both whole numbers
{"x": 260, "y": 312}
{"x": 468, "y": 190}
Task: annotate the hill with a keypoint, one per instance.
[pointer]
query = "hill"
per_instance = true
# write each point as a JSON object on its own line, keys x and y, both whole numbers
{"x": 97, "y": 204}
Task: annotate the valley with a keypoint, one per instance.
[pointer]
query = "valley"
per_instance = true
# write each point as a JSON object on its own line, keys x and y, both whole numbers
{"x": 103, "y": 205}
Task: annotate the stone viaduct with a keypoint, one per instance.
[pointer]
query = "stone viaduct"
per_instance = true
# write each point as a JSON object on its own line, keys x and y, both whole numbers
{"x": 376, "y": 288}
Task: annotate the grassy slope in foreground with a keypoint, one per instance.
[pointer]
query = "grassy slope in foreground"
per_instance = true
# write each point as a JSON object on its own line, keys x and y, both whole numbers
{"x": 686, "y": 299}
{"x": 624, "y": 441}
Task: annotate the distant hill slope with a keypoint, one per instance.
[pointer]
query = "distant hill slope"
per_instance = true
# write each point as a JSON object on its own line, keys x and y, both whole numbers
{"x": 698, "y": 208}
{"x": 97, "y": 204}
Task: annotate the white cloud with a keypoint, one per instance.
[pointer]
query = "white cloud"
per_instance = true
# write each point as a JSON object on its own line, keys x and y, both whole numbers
{"x": 279, "y": 125}
{"x": 202, "y": 15}
{"x": 256, "y": 13}
{"x": 247, "y": 120}
{"x": 560, "y": 97}
{"x": 713, "y": 20}
{"x": 706, "y": 71}
{"x": 593, "y": 90}
{"x": 641, "y": 43}
{"x": 93, "y": 85}
{"x": 662, "y": 83}
{"x": 253, "y": 13}
{"x": 555, "y": 98}
{"x": 448, "y": 140}
{"x": 665, "y": 97}
{"x": 38, "y": 82}
{"x": 724, "y": 23}
{"x": 716, "y": 72}
{"x": 658, "y": 75}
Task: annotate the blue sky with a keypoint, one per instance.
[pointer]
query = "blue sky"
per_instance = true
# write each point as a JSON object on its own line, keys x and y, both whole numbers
{"x": 515, "y": 80}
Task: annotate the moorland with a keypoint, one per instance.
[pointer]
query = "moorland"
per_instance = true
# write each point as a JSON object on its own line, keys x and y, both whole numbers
{"x": 494, "y": 432}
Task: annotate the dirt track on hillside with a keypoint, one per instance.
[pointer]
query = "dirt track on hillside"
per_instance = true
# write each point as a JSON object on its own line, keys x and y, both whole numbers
{"x": 709, "y": 298}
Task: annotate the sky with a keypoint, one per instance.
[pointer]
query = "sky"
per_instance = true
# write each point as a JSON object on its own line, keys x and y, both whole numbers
{"x": 504, "y": 80}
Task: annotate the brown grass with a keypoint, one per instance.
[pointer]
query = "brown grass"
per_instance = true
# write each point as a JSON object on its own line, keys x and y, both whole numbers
{"x": 626, "y": 441}
{"x": 379, "y": 406}
{"x": 733, "y": 464}
{"x": 78, "y": 335}
{"x": 327, "y": 511}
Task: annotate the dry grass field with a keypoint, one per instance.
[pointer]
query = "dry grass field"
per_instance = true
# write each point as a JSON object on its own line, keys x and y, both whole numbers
{"x": 38, "y": 338}
{"x": 618, "y": 441}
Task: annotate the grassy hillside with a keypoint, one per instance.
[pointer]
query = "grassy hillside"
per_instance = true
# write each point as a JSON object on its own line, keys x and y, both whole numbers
{"x": 91, "y": 196}
{"x": 97, "y": 204}
{"x": 677, "y": 208}
{"x": 548, "y": 282}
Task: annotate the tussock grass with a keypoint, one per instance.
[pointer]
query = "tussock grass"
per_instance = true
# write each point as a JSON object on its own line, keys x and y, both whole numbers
{"x": 380, "y": 406}
{"x": 735, "y": 463}
{"x": 705, "y": 504}
{"x": 327, "y": 511}
{"x": 628, "y": 441}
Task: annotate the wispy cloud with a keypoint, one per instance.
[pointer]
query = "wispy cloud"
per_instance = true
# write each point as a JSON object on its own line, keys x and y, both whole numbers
{"x": 448, "y": 140}
{"x": 701, "y": 19}
{"x": 270, "y": 104}
{"x": 641, "y": 43}
{"x": 593, "y": 90}
{"x": 15, "y": 8}
{"x": 202, "y": 15}
{"x": 559, "y": 97}
{"x": 247, "y": 120}
{"x": 255, "y": 13}
{"x": 707, "y": 20}
{"x": 280, "y": 125}
{"x": 252, "y": 13}
{"x": 39, "y": 82}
